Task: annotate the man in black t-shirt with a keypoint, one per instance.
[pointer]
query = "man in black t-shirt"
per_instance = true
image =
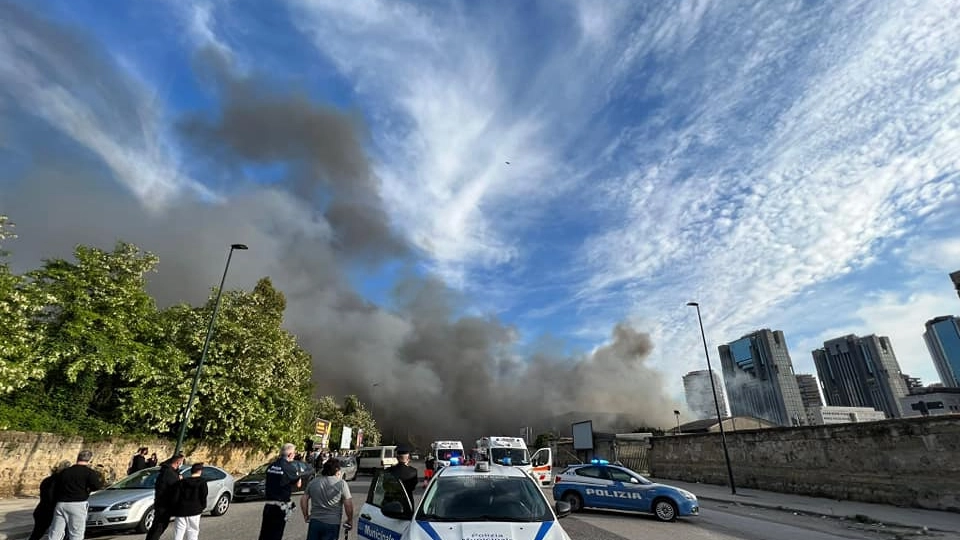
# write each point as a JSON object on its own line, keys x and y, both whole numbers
{"x": 71, "y": 491}
{"x": 282, "y": 478}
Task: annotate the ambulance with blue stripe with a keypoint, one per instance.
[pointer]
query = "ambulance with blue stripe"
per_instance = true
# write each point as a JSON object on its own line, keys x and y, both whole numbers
{"x": 599, "y": 484}
{"x": 485, "y": 502}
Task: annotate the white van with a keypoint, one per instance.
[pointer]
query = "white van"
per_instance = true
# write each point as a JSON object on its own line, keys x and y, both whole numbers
{"x": 372, "y": 458}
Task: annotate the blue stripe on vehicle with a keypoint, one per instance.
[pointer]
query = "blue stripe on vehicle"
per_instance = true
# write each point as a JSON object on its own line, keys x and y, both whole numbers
{"x": 542, "y": 533}
{"x": 428, "y": 528}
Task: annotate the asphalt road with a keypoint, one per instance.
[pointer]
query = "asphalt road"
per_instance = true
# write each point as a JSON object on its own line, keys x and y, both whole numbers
{"x": 718, "y": 521}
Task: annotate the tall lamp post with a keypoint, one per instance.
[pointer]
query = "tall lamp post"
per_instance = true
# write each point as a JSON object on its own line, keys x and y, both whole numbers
{"x": 203, "y": 355}
{"x": 716, "y": 401}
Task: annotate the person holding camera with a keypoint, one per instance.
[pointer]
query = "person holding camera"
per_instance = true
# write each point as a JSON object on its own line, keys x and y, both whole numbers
{"x": 325, "y": 500}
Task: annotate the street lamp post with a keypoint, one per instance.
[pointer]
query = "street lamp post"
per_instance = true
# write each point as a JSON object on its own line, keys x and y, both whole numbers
{"x": 203, "y": 353}
{"x": 716, "y": 400}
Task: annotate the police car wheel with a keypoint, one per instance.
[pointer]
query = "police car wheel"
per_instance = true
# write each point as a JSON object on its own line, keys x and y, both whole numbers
{"x": 665, "y": 510}
{"x": 573, "y": 499}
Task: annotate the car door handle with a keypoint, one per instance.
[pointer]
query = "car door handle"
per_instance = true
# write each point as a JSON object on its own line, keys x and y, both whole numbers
{"x": 364, "y": 516}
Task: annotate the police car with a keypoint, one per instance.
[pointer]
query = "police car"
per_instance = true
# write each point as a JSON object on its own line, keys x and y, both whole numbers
{"x": 482, "y": 502}
{"x": 599, "y": 484}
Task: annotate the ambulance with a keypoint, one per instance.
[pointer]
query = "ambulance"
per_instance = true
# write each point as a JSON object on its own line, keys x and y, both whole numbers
{"x": 447, "y": 453}
{"x": 513, "y": 451}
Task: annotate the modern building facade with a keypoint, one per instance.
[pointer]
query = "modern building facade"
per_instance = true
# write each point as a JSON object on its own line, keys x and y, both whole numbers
{"x": 861, "y": 372}
{"x": 696, "y": 387}
{"x": 931, "y": 401}
{"x": 809, "y": 391}
{"x": 955, "y": 278}
{"x": 942, "y": 336}
{"x": 820, "y": 416}
{"x": 759, "y": 377}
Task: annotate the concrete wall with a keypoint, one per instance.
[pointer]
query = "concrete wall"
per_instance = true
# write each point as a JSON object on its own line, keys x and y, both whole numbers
{"x": 26, "y": 458}
{"x": 906, "y": 462}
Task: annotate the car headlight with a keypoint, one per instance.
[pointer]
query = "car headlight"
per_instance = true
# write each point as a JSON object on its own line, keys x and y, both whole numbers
{"x": 687, "y": 495}
{"x": 125, "y": 505}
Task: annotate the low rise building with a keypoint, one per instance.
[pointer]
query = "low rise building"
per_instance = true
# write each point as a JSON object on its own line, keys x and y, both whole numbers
{"x": 931, "y": 401}
{"x": 819, "y": 416}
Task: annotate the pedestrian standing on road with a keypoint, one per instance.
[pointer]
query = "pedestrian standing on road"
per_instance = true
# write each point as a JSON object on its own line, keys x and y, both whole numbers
{"x": 407, "y": 475}
{"x": 324, "y": 501}
{"x": 43, "y": 513}
{"x": 139, "y": 460}
{"x": 282, "y": 477}
{"x": 191, "y": 500}
{"x": 71, "y": 489}
{"x": 165, "y": 496}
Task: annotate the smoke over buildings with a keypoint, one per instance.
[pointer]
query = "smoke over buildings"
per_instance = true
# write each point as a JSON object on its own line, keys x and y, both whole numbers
{"x": 78, "y": 172}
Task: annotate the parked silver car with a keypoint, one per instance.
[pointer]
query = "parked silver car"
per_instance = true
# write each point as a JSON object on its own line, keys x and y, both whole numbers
{"x": 128, "y": 504}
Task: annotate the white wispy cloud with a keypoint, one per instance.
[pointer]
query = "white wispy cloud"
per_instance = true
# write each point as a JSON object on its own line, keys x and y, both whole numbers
{"x": 90, "y": 99}
{"x": 813, "y": 140}
{"x": 451, "y": 105}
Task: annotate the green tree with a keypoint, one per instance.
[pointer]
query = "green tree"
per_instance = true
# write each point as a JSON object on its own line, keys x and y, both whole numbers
{"x": 95, "y": 318}
{"x": 255, "y": 385}
{"x": 20, "y": 304}
{"x": 352, "y": 414}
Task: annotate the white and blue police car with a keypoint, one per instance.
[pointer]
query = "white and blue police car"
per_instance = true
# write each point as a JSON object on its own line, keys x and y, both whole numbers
{"x": 487, "y": 501}
{"x": 601, "y": 485}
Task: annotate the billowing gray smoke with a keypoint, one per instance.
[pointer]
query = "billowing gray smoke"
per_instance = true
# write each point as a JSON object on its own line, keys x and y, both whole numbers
{"x": 424, "y": 369}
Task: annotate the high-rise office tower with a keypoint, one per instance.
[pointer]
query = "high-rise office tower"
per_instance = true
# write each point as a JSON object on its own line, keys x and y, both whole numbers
{"x": 759, "y": 378}
{"x": 943, "y": 342}
{"x": 861, "y": 372}
{"x": 955, "y": 278}
{"x": 809, "y": 391}
{"x": 696, "y": 386}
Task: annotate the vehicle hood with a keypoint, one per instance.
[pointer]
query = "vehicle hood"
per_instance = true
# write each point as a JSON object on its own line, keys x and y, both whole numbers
{"x": 548, "y": 530}
{"x": 109, "y": 497}
{"x": 252, "y": 478}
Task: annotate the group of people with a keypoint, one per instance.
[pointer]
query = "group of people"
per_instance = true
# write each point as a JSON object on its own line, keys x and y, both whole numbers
{"x": 62, "y": 511}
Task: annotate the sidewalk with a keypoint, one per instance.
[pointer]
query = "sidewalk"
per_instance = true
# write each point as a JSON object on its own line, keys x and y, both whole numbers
{"x": 16, "y": 518}
{"x": 882, "y": 513}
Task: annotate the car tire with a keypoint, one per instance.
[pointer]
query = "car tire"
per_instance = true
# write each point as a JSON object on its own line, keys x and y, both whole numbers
{"x": 146, "y": 521}
{"x": 221, "y": 506}
{"x": 574, "y": 500}
{"x": 665, "y": 510}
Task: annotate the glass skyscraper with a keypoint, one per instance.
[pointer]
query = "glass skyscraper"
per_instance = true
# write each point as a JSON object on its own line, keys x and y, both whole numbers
{"x": 943, "y": 342}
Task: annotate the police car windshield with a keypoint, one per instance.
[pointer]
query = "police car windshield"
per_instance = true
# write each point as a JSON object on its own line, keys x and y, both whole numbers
{"x": 484, "y": 498}
{"x": 518, "y": 456}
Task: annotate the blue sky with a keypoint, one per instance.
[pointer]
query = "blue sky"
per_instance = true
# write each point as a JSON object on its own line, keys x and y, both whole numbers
{"x": 792, "y": 165}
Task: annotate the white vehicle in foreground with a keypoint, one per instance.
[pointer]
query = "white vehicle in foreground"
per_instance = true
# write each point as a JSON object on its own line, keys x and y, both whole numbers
{"x": 486, "y": 501}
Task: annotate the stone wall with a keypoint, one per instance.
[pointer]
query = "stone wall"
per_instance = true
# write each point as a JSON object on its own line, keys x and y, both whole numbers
{"x": 26, "y": 458}
{"x": 905, "y": 462}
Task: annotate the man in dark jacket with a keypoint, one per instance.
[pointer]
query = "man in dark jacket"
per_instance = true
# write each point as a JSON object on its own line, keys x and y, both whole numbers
{"x": 139, "y": 461}
{"x": 282, "y": 477}
{"x": 165, "y": 495}
{"x": 43, "y": 513}
{"x": 71, "y": 490}
{"x": 404, "y": 472}
{"x": 191, "y": 502}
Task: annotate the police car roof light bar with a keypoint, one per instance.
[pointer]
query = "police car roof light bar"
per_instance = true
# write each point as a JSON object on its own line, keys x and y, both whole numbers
{"x": 482, "y": 466}
{"x": 599, "y": 462}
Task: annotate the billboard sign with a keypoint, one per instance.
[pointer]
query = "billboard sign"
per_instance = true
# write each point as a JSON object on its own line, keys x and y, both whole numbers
{"x": 582, "y": 435}
{"x": 322, "y": 430}
{"x": 345, "y": 438}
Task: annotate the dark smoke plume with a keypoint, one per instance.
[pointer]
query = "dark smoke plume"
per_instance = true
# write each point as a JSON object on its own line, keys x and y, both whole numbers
{"x": 425, "y": 369}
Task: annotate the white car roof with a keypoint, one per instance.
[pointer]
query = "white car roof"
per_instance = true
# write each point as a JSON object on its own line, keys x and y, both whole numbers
{"x": 495, "y": 470}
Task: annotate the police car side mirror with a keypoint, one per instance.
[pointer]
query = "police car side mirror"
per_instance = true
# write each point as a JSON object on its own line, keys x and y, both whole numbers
{"x": 394, "y": 509}
{"x": 634, "y": 480}
{"x": 563, "y": 509}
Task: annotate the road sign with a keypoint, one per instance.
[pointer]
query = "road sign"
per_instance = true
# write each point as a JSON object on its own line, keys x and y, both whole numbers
{"x": 322, "y": 430}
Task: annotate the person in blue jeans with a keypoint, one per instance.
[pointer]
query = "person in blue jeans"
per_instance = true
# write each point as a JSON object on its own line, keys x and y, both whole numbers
{"x": 324, "y": 502}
